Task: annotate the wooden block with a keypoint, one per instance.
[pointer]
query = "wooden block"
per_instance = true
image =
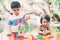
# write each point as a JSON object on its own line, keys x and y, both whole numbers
{"x": 40, "y": 39}
{"x": 58, "y": 36}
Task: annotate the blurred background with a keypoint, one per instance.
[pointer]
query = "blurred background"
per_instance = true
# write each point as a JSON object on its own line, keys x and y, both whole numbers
{"x": 36, "y": 9}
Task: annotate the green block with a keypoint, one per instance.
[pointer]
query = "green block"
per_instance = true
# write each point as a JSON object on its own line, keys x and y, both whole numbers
{"x": 25, "y": 23}
{"x": 39, "y": 36}
{"x": 19, "y": 28}
{"x": 22, "y": 27}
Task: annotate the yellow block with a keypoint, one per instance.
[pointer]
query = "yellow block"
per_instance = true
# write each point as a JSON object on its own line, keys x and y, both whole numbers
{"x": 45, "y": 38}
{"x": 29, "y": 38}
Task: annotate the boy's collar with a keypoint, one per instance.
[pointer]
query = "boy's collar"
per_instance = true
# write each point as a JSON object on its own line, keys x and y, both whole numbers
{"x": 15, "y": 15}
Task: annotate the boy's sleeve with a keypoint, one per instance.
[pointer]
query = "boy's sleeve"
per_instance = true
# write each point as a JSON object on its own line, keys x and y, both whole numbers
{"x": 23, "y": 16}
{"x": 9, "y": 22}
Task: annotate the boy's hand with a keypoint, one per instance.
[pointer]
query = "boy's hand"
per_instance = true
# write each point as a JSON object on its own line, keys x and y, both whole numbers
{"x": 9, "y": 34}
{"x": 27, "y": 17}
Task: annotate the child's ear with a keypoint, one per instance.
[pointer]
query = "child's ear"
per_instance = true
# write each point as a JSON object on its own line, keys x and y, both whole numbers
{"x": 22, "y": 7}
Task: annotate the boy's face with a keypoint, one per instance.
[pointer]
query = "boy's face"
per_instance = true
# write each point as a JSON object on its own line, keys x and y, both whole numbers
{"x": 16, "y": 11}
{"x": 44, "y": 22}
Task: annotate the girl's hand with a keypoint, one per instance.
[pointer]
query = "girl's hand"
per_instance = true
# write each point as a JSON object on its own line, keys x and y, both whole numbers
{"x": 47, "y": 31}
{"x": 44, "y": 33}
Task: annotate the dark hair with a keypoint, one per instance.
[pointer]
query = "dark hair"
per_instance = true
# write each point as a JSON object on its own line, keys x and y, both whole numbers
{"x": 57, "y": 17}
{"x": 47, "y": 17}
{"x": 15, "y": 4}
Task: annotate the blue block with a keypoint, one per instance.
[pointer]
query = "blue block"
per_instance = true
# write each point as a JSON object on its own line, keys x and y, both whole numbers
{"x": 16, "y": 35}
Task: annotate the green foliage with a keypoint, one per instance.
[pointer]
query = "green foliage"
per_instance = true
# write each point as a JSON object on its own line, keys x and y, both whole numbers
{"x": 54, "y": 29}
{"x": 1, "y": 31}
{"x": 28, "y": 27}
{"x": 57, "y": 4}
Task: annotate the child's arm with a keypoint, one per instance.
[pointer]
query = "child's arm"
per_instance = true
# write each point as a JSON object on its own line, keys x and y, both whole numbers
{"x": 39, "y": 30}
{"x": 9, "y": 35}
{"x": 50, "y": 36}
{"x": 9, "y": 30}
{"x": 47, "y": 31}
{"x": 49, "y": 27}
{"x": 9, "y": 26}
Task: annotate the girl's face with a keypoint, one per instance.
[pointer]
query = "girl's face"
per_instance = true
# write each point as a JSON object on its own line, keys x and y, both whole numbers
{"x": 44, "y": 22}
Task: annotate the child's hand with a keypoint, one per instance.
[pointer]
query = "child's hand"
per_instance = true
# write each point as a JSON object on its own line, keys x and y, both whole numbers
{"x": 27, "y": 17}
{"x": 47, "y": 31}
{"x": 9, "y": 34}
{"x": 44, "y": 33}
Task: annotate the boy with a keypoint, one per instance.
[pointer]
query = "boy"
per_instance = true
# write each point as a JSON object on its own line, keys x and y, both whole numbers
{"x": 12, "y": 22}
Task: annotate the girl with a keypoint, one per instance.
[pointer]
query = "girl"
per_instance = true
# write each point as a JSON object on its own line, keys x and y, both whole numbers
{"x": 44, "y": 28}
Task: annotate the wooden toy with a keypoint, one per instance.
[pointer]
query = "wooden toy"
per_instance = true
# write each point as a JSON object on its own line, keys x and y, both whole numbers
{"x": 31, "y": 37}
{"x": 14, "y": 35}
{"x": 39, "y": 36}
{"x": 20, "y": 27}
{"x": 45, "y": 38}
{"x": 21, "y": 37}
{"x": 58, "y": 36}
{"x": 20, "y": 33}
{"x": 42, "y": 37}
{"x": 21, "y": 30}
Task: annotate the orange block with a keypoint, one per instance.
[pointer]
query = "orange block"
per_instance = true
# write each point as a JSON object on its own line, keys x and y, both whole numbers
{"x": 58, "y": 36}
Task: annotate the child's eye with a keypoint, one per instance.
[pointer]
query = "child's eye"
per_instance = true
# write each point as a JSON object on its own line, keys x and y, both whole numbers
{"x": 45, "y": 22}
{"x": 17, "y": 9}
{"x": 14, "y": 10}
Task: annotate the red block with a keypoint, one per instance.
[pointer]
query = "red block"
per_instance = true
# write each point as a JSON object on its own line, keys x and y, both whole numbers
{"x": 21, "y": 37}
{"x": 15, "y": 34}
